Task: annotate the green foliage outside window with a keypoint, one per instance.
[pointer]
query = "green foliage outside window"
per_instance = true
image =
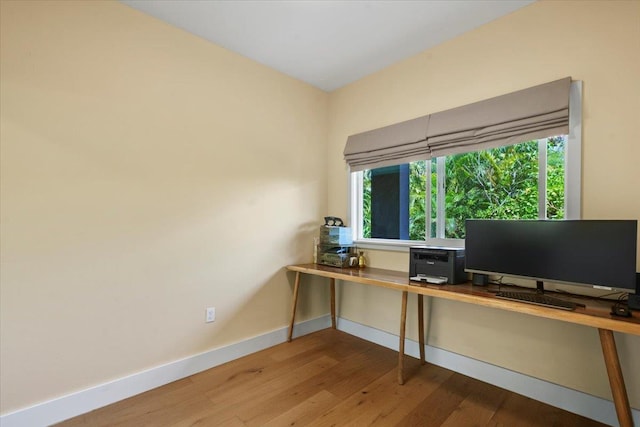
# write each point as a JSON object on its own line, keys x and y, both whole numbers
{"x": 500, "y": 183}
{"x": 417, "y": 200}
{"x": 555, "y": 177}
{"x": 366, "y": 204}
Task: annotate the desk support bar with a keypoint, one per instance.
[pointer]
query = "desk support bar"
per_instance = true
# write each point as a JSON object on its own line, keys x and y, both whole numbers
{"x": 616, "y": 381}
{"x": 296, "y": 287}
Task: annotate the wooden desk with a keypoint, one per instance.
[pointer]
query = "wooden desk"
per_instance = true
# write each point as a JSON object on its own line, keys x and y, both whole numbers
{"x": 594, "y": 314}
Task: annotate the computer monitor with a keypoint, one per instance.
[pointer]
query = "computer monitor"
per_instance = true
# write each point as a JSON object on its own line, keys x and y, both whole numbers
{"x": 596, "y": 253}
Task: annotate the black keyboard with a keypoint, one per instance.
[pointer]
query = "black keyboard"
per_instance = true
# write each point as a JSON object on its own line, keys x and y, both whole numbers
{"x": 538, "y": 299}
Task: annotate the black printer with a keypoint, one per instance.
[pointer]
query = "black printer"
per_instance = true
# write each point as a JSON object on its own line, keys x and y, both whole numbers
{"x": 437, "y": 264}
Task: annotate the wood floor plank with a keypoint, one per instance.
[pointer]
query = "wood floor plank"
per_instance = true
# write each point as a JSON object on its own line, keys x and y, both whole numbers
{"x": 340, "y": 346}
{"x": 231, "y": 422}
{"x": 344, "y": 379}
{"x": 166, "y": 415}
{"x": 139, "y": 406}
{"x": 237, "y": 401}
{"x": 307, "y": 411}
{"x": 240, "y": 398}
{"x": 293, "y": 394}
{"x": 328, "y": 378}
{"x": 427, "y": 380}
{"x": 479, "y": 407}
{"x": 521, "y": 411}
{"x": 206, "y": 418}
{"x": 233, "y": 377}
{"x": 438, "y": 406}
{"x": 384, "y": 402}
{"x": 259, "y": 363}
{"x": 358, "y": 371}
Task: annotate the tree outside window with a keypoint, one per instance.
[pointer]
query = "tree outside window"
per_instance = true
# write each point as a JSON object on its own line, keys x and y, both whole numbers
{"x": 500, "y": 183}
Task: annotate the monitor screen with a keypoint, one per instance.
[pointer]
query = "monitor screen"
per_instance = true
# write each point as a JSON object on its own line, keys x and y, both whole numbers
{"x": 585, "y": 252}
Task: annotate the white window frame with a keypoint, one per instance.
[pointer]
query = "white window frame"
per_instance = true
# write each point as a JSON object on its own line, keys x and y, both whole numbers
{"x": 572, "y": 194}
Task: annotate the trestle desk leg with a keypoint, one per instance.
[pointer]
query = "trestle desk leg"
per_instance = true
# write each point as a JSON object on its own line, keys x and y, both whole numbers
{"x": 296, "y": 287}
{"x": 616, "y": 381}
{"x": 403, "y": 323}
{"x": 421, "y": 328}
{"x": 332, "y": 285}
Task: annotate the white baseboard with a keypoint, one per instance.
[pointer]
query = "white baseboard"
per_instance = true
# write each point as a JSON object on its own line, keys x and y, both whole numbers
{"x": 81, "y": 402}
{"x": 580, "y": 403}
{"x": 71, "y": 405}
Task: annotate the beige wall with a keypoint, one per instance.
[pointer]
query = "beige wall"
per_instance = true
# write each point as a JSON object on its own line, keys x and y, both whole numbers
{"x": 146, "y": 175}
{"x": 596, "y": 42}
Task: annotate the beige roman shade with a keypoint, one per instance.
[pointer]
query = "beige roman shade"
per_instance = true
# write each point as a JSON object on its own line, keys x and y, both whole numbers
{"x": 532, "y": 113}
{"x": 391, "y": 145}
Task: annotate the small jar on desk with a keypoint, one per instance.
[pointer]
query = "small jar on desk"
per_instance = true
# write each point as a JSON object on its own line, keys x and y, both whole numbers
{"x": 361, "y": 260}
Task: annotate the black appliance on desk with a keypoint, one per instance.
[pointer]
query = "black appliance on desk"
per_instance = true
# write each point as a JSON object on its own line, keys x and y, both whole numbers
{"x": 437, "y": 264}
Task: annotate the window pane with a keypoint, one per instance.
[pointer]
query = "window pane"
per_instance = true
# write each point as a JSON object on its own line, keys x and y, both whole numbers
{"x": 501, "y": 183}
{"x": 366, "y": 204}
{"x": 393, "y": 202}
{"x": 555, "y": 177}
{"x": 417, "y": 200}
{"x": 433, "y": 194}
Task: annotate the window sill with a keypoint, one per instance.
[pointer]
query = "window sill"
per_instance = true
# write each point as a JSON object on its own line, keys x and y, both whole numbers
{"x": 404, "y": 245}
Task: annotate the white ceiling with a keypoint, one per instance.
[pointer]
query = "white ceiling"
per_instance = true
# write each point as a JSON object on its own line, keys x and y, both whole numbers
{"x": 327, "y": 43}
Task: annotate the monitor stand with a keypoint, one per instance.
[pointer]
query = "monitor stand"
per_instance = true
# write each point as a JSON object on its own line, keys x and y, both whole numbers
{"x": 539, "y": 287}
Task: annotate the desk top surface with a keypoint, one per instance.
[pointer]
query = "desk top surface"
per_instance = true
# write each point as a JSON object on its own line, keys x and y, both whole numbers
{"x": 595, "y": 313}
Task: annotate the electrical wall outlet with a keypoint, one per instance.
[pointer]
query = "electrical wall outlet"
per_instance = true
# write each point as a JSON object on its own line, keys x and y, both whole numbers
{"x": 210, "y": 315}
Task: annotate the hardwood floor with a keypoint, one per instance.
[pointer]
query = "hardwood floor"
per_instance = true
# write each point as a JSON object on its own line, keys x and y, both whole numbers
{"x": 328, "y": 378}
